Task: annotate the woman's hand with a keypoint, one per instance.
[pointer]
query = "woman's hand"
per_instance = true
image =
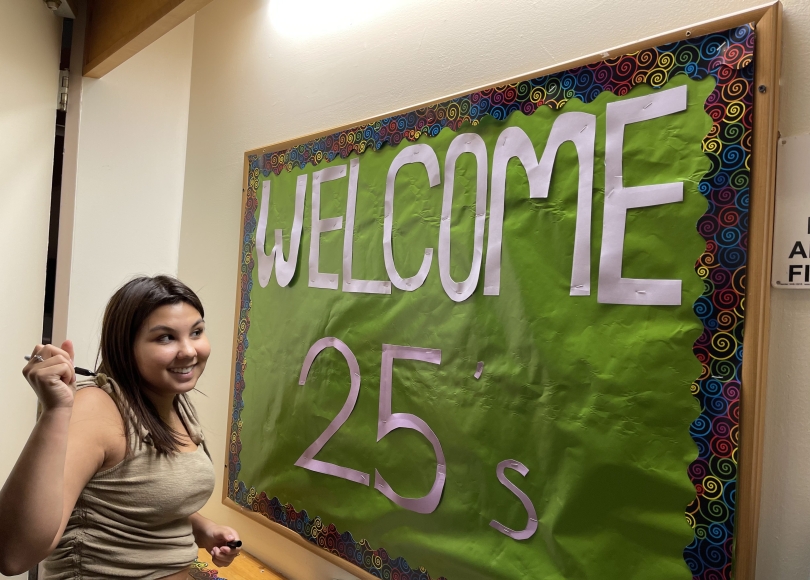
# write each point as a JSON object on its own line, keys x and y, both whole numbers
{"x": 52, "y": 378}
{"x": 224, "y": 555}
{"x": 64, "y": 450}
{"x": 214, "y": 538}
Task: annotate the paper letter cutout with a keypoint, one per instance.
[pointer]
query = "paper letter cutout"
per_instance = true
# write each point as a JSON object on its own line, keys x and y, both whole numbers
{"x": 465, "y": 143}
{"x": 531, "y": 525}
{"x": 285, "y": 269}
{"x": 388, "y": 422}
{"x": 613, "y": 289}
{"x": 350, "y": 284}
{"x": 307, "y": 459}
{"x": 580, "y": 129}
{"x": 425, "y": 155}
{"x": 319, "y": 226}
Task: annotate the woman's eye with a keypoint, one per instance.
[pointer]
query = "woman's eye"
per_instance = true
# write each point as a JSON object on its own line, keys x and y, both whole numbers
{"x": 197, "y": 332}
{"x": 164, "y": 338}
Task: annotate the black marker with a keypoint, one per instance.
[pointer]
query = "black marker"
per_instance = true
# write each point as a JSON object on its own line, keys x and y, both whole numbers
{"x": 234, "y": 545}
{"x": 78, "y": 370}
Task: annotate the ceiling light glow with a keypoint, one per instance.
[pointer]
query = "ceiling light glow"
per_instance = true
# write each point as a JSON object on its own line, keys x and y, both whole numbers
{"x": 313, "y": 18}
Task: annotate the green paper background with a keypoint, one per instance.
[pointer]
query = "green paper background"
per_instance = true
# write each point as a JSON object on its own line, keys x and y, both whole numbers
{"x": 593, "y": 398}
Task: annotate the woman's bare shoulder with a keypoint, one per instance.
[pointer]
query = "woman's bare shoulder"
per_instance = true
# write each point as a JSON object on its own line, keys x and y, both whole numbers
{"x": 96, "y": 416}
{"x": 94, "y": 402}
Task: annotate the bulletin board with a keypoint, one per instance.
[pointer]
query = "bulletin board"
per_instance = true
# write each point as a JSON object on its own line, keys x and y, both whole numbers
{"x": 501, "y": 335}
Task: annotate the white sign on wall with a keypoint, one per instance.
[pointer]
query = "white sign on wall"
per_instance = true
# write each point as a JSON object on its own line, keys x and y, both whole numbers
{"x": 791, "y": 233}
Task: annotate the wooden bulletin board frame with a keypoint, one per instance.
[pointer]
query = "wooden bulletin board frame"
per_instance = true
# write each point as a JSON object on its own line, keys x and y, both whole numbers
{"x": 768, "y": 22}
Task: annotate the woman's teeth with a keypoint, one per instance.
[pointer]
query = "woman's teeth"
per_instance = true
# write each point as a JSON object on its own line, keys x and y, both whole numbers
{"x": 181, "y": 371}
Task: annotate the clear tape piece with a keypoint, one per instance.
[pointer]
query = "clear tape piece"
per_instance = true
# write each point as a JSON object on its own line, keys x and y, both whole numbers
{"x": 307, "y": 459}
{"x": 352, "y": 284}
{"x": 425, "y": 155}
{"x": 285, "y": 269}
{"x": 388, "y": 421}
{"x": 613, "y": 289}
{"x": 531, "y": 524}
{"x": 319, "y": 279}
{"x": 464, "y": 143}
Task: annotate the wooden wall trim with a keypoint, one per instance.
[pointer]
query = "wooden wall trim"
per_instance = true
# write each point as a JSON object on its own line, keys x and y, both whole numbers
{"x": 295, "y": 538}
{"x": 118, "y": 29}
{"x": 70, "y": 168}
{"x": 767, "y": 63}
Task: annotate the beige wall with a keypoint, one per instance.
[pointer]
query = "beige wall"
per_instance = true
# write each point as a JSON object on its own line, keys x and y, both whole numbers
{"x": 30, "y": 38}
{"x": 253, "y": 85}
{"x": 129, "y": 179}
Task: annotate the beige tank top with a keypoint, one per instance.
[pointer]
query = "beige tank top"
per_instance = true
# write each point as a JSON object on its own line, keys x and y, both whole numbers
{"x": 131, "y": 521}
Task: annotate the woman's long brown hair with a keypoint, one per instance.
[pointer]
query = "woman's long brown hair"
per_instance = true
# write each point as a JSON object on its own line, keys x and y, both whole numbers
{"x": 124, "y": 316}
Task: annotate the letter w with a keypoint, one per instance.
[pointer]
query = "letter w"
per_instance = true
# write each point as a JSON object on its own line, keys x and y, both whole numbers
{"x": 285, "y": 269}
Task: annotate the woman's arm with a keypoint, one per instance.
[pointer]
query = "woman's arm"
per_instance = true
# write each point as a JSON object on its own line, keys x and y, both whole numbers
{"x": 29, "y": 518}
{"x": 56, "y": 463}
{"x": 214, "y": 538}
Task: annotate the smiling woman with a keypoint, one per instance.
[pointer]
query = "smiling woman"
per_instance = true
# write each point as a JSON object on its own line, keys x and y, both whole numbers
{"x": 172, "y": 349}
{"x": 121, "y": 458}
{"x": 153, "y": 328}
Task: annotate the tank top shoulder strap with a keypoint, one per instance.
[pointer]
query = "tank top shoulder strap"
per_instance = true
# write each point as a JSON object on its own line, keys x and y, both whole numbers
{"x": 189, "y": 417}
{"x": 108, "y": 385}
{"x": 185, "y": 409}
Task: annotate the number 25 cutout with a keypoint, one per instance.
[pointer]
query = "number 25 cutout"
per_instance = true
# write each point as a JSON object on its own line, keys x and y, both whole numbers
{"x": 307, "y": 459}
{"x": 386, "y": 423}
